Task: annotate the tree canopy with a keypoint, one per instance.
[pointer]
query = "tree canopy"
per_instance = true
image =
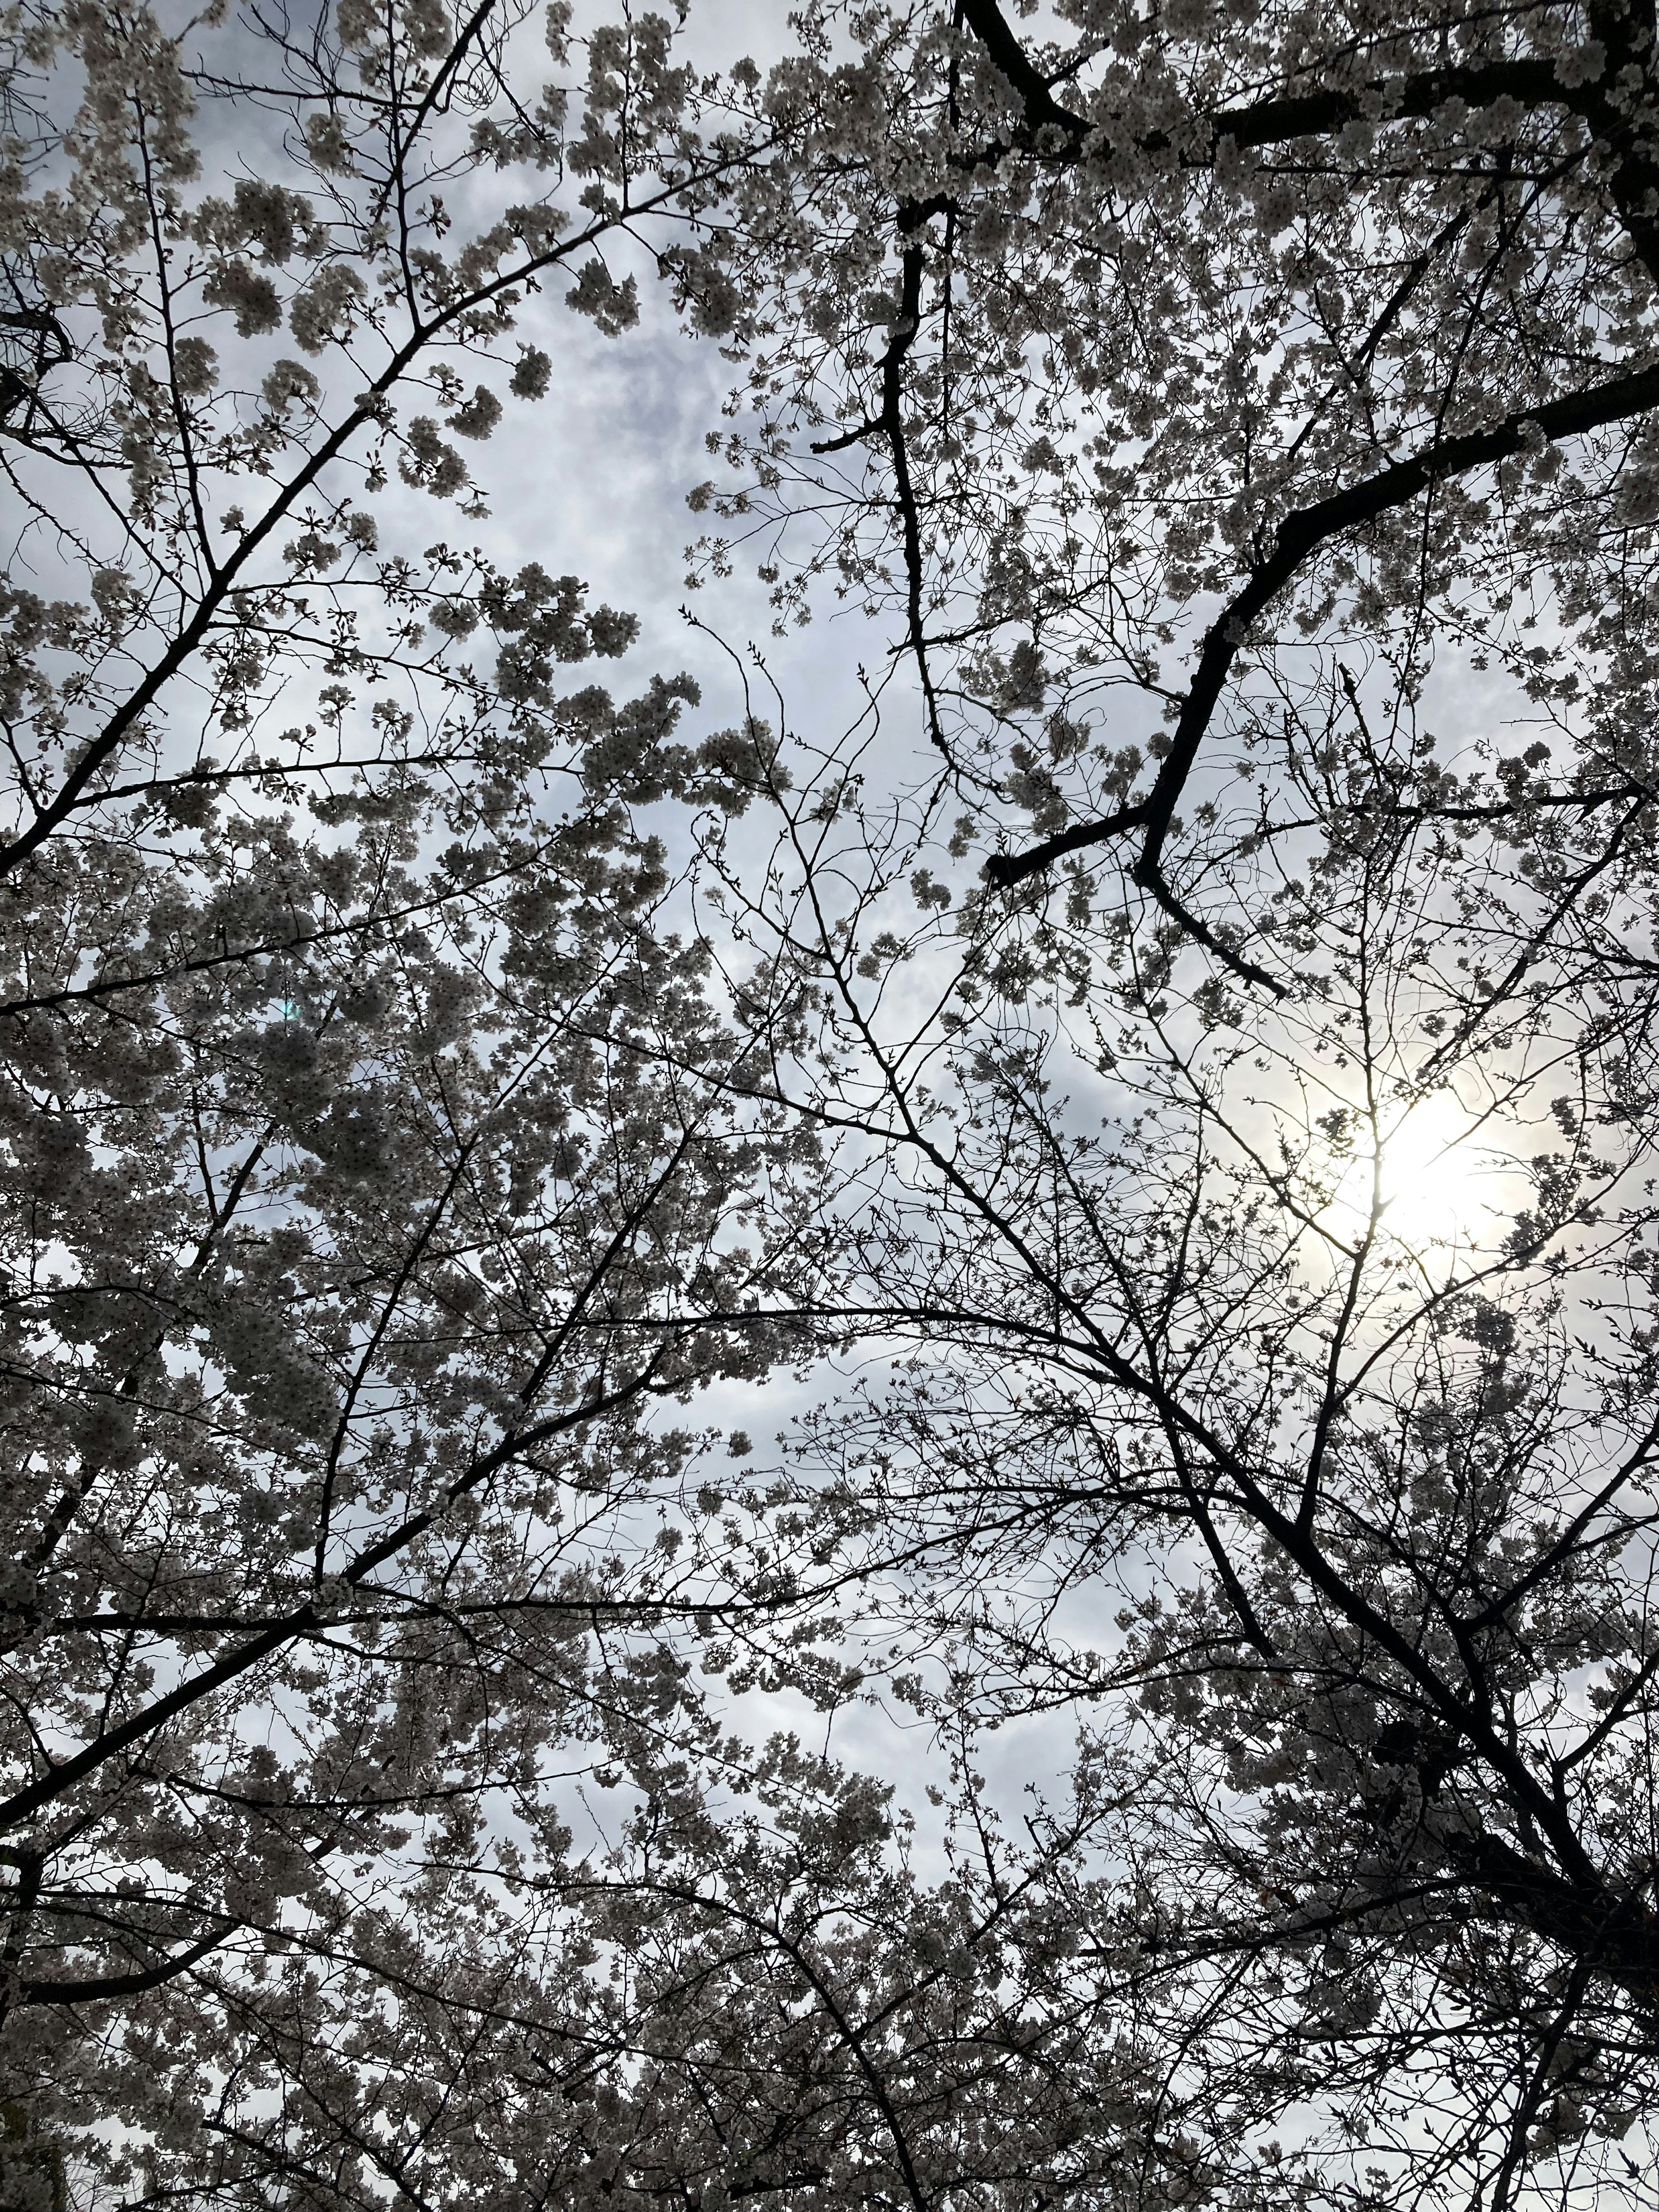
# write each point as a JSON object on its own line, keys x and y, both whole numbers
{"x": 1176, "y": 1078}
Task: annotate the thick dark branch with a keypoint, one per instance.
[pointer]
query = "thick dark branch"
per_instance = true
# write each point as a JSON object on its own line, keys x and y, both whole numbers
{"x": 1060, "y": 132}
{"x": 1533, "y": 83}
{"x": 1298, "y": 537}
{"x": 1042, "y": 111}
{"x": 1004, "y": 869}
{"x": 889, "y": 424}
{"x": 856, "y": 436}
{"x": 1612, "y": 1935}
{"x": 118, "y": 1985}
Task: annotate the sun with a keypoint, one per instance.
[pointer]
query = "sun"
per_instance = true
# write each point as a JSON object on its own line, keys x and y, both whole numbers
{"x": 1430, "y": 1170}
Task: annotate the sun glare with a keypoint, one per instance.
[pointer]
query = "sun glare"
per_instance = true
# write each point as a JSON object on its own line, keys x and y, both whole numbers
{"x": 1434, "y": 1168}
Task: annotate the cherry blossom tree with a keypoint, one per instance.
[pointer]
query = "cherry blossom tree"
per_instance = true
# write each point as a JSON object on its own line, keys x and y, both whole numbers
{"x": 385, "y": 1169}
{"x": 1242, "y": 422}
{"x": 377, "y": 1166}
{"x": 1189, "y": 1051}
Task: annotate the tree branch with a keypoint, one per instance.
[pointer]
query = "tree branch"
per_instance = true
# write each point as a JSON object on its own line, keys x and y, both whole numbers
{"x": 1299, "y": 536}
